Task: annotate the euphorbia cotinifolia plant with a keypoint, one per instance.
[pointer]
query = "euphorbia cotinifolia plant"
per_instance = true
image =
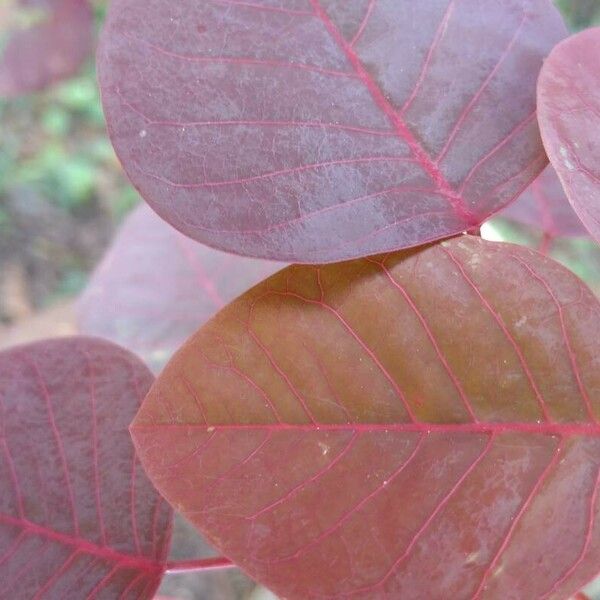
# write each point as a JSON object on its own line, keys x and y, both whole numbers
{"x": 421, "y": 420}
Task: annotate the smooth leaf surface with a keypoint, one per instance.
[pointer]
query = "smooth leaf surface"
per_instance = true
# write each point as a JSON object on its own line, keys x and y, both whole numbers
{"x": 155, "y": 287}
{"x": 543, "y": 206}
{"x": 569, "y": 116}
{"x": 315, "y": 131}
{"x": 421, "y": 425}
{"x": 78, "y": 516}
{"x": 41, "y": 42}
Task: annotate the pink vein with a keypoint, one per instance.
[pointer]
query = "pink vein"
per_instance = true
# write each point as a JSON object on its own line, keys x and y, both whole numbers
{"x": 505, "y": 331}
{"x": 81, "y": 544}
{"x": 131, "y": 585}
{"x": 59, "y": 443}
{"x": 326, "y": 469}
{"x": 566, "y": 338}
{"x": 359, "y": 340}
{"x": 431, "y": 517}
{"x": 240, "y": 60}
{"x": 256, "y": 123}
{"x": 13, "y": 547}
{"x": 194, "y": 395}
{"x": 532, "y": 428}
{"x": 401, "y": 189}
{"x": 404, "y": 132}
{"x": 522, "y": 125}
{"x": 237, "y": 465}
{"x": 282, "y": 374}
{"x": 132, "y": 508}
{"x": 14, "y": 478}
{"x": 517, "y": 518}
{"x": 432, "y": 339}
{"x": 587, "y": 542}
{"x": 251, "y": 5}
{"x": 429, "y": 56}
{"x": 364, "y": 22}
{"x": 97, "y": 494}
{"x": 467, "y": 110}
{"x": 352, "y": 511}
{"x": 288, "y": 171}
{"x": 103, "y": 582}
{"x": 57, "y": 575}
{"x": 197, "y": 268}
{"x": 237, "y": 371}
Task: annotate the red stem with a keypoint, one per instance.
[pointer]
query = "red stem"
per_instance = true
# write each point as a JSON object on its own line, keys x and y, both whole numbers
{"x": 202, "y": 564}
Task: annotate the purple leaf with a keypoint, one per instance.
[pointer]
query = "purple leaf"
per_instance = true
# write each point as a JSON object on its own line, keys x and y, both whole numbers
{"x": 78, "y": 517}
{"x": 422, "y": 424}
{"x": 155, "y": 287}
{"x": 318, "y": 131}
{"x": 41, "y": 42}
{"x": 569, "y": 116}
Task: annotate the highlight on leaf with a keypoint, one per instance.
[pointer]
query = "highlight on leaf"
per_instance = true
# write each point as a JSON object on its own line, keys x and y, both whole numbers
{"x": 321, "y": 130}
{"x": 41, "y": 42}
{"x": 155, "y": 287}
{"x": 78, "y": 516}
{"x": 569, "y": 117}
{"x": 422, "y": 424}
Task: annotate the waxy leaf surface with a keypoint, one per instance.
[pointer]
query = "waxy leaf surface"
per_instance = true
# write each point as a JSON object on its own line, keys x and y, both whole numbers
{"x": 569, "y": 117}
{"x": 78, "y": 516}
{"x": 155, "y": 287}
{"x": 42, "y": 41}
{"x": 416, "y": 425}
{"x": 543, "y": 206}
{"x": 315, "y": 131}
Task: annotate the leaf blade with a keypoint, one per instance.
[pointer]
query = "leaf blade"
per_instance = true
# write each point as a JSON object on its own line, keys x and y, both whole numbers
{"x": 77, "y": 515}
{"x": 383, "y": 447}
{"x": 362, "y": 161}
{"x": 569, "y": 113}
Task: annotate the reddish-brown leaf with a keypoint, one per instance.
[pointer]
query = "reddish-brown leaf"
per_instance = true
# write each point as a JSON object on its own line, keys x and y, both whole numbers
{"x": 42, "y": 41}
{"x": 543, "y": 206}
{"x": 319, "y": 130}
{"x": 417, "y": 425}
{"x": 78, "y": 517}
{"x": 155, "y": 287}
{"x": 569, "y": 117}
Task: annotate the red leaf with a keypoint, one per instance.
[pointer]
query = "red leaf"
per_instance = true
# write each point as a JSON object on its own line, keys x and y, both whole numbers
{"x": 78, "y": 517}
{"x": 317, "y": 131}
{"x": 569, "y": 116}
{"x": 544, "y": 207}
{"x": 418, "y": 425}
{"x": 155, "y": 287}
{"x": 45, "y": 41}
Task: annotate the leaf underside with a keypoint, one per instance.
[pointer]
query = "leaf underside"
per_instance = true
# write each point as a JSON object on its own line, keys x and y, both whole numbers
{"x": 155, "y": 287}
{"x": 316, "y": 131}
{"x": 415, "y": 425}
{"x": 41, "y": 42}
{"x": 569, "y": 116}
{"x": 78, "y": 517}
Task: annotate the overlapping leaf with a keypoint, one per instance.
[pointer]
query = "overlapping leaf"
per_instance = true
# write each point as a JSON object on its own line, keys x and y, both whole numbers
{"x": 415, "y": 425}
{"x": 569, "y": 116}
{"x": 42, "y": 41}
{"x": 543, "y": 206}
{"x": 314, "y": 131}
{"x": 155, "y": 287}
{"x": 78, "y": 517}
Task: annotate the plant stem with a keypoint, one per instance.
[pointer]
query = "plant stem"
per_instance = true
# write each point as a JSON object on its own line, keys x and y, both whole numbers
{"x": 202, "y": 564}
